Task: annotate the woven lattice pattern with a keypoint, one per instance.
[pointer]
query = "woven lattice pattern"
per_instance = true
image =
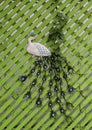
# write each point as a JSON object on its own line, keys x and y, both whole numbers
{"x": 17, "y": 19}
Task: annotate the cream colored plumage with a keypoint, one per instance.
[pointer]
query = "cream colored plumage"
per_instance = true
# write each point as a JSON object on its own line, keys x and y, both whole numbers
{"x": 37, "y": 49}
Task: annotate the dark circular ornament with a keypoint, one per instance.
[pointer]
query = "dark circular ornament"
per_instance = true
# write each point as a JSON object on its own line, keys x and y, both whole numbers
{"x": 70, "y": 89}
{"x": 56, "y": 78}
{"x": 53, "y": 114}
{"x": 50, "y": 104}
{"x": 58, "y": 69}
{"x": 52, "y": 58}
{"x": 44, "y": 78}
{"x": 34, "y": 82}
{"x": 32, "y": 71}
{"x": 53, "y": 66}
{"x": 62, "y": 110}
{"x": 56, "y": 88}
{"x": 58, "y": 100}
{"x": 45, "y": 67}
{"x": 38, "y": 102}
{"x": 51, "y": 71}
{"x": 49, "y": 93}
{"x": 40, "y": 63}
{"x": 37, "y": 62}
{"x": 62, "y": 94}
{"x": 28, "y": 95}
{"x": 23, "y": 78}
{"x": 59, "y": 80}
{"x": 50, "y": 83}
{"x": 40, "y": 90}
{"x": 38, "y": 73}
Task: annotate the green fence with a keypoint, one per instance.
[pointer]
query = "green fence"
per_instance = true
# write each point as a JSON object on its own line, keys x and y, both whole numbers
{"x": 17, "y": 19}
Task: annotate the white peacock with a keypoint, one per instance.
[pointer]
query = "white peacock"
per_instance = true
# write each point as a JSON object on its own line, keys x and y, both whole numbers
{"x": 37, "y": 49}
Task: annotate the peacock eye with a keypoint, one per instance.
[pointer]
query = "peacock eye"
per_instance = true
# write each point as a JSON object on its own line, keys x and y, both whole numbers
{"x": 52, "y": 65}
{"x": 58, "y": 100}
{"x": 38, "y": 102}
{"x": 56, "y": 88}
{"x": 51, "y": 71}
{"x": 34, "y": 82}
{"x": 28, "y": 95}
{"x": 53, "y": 114}
{"x": 52, "y": 58}
{"x": 56, "y": 78}
{"x": 58, "y": 69}
{"x": 59, "y": 80}
{"x": 45, "y": 66}
{"x": 50, "y": 83}
{"x": 50, "y": 104}
{"x": 23, "y": 78}
{"x": 70, "y": 88}
{"x": 44, "y": 78}
{"x": 38, "y": 73}
{"x": 49, "y": 94}
{"x": 37, "y": 62}
{"x": 62, "y": 94}
{"x": 40, "y": 90}
{"x": 40, "y": 63}
{"x": 62, "y": 110}
{"x": 32, "y": 71}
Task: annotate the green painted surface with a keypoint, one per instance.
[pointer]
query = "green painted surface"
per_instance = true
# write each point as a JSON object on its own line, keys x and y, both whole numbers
{"x": 17, "y": 19}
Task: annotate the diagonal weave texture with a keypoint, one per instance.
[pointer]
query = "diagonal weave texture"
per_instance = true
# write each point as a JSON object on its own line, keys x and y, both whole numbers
{"x": 17, "y": 19}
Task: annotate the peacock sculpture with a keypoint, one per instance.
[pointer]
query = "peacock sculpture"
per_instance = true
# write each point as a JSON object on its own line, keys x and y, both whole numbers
{"x": 51, "y": 66}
